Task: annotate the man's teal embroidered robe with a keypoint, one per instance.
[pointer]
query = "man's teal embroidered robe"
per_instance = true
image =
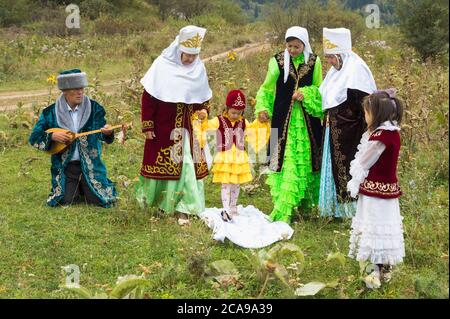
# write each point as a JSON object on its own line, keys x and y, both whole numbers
{"x": 90, "y": 149}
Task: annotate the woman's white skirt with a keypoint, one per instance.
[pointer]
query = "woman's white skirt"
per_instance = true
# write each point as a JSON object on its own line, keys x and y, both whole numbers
{"x": 377, "y": 231}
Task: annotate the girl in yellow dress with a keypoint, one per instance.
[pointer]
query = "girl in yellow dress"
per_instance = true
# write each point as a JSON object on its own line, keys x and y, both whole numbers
{"x": 231, "y": 165}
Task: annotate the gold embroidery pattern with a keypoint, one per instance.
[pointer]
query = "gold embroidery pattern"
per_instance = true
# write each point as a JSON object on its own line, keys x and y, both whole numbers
{"x": 163, "y": 167}
{"x": 194, "y": 42}
{"x": 179, "y": 116}
{"x": 202, "y": 167}
{"x": 381, "y": 188}
{"x": 165, "y": 164}
{"x": 339, "y": 158}
{"x": 148, "y": 124}
{"x": 327, "y": 44}
{"x": 280, "y": 59}
{"x": 302, "y": 71}
{"x": 303, "y": 68}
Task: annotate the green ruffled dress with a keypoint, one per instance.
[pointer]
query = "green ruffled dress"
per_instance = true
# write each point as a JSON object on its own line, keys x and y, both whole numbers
{"x": 296, "y": 184}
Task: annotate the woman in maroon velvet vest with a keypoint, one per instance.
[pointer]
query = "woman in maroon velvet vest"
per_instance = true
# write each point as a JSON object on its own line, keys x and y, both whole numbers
{"x": 176, "y": 86}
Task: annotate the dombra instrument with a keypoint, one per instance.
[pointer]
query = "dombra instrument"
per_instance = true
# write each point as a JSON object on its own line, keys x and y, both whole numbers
{"x": 58, "y": 147}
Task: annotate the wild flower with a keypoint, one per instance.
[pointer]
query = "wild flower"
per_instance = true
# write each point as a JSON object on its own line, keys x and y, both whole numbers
{"x": 231, "y": 55}
{"x": 51, "y": 79}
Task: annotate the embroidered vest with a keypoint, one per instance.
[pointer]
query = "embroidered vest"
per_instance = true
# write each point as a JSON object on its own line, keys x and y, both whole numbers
{"x": 282, "y": 112}
{"x": 382, "y": 180}
{"x": 229, "y": 134}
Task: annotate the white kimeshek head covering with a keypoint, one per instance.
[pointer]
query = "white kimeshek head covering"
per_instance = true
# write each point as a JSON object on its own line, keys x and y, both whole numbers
{"x": 301, "y": 34}
{"x": 169, "y": 80}
{"x": 190, "y": 39}
{"x": 354, "y": 73}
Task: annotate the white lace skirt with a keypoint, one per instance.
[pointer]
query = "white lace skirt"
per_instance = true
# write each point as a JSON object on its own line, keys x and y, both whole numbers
{"x": 377, "y": 231}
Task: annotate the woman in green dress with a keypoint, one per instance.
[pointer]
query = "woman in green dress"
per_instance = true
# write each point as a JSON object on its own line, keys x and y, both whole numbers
{"x": 290, "y": 99}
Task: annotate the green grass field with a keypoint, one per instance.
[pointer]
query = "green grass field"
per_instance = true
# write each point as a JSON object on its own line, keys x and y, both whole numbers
{"x": 36, "y": 241}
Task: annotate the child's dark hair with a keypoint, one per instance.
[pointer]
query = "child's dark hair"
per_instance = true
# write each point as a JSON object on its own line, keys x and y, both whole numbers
{"x": 383, "y": 108}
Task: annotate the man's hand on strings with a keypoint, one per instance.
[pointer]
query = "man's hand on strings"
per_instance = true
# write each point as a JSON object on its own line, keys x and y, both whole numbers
{"x": 62, "y": 137}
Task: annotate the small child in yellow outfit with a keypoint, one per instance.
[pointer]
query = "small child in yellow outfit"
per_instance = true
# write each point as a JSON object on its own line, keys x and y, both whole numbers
{"x": 231, "y": 165}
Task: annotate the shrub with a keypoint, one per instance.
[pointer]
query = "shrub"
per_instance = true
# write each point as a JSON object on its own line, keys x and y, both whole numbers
{"x": 93, "y": 9}
{"x": 14, "y": 12}
{"x": 314, "y": 18}
{"x": 424, "y": 24}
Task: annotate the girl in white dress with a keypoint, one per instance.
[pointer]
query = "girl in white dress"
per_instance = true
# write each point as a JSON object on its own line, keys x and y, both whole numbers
{"x": 377, "y": 231}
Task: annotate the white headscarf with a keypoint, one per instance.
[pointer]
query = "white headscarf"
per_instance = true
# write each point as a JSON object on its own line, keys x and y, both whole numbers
{"x": 170, "y": 81}
{"x": 301, "y": 34}
{"x": 354, "y": 73}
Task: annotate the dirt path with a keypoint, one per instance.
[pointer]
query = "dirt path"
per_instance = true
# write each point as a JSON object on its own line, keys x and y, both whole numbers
{"x": 9, "y": 100}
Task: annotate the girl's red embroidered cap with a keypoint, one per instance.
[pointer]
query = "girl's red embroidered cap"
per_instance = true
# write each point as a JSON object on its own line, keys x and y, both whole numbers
{"x": 236, "y": 100}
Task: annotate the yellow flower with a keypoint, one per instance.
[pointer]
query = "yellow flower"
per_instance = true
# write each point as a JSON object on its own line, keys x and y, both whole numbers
{"x": 231, "y": 56}
{"x": 51, "y": 79}
{"x": 166, "y": 295}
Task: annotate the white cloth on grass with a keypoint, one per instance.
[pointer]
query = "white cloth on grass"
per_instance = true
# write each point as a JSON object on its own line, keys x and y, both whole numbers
{"x": 251, "y": 228}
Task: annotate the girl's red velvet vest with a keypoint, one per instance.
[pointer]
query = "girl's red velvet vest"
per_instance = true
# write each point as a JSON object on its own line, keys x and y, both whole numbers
{"x": 229, "y": 134}
{"x": 382, "y": 179}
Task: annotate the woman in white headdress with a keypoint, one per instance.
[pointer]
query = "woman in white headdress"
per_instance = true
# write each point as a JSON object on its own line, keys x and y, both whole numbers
{"x": 175, "y": 87}
{"x": 347, "y": 82}
{"x": 290, "y": 99}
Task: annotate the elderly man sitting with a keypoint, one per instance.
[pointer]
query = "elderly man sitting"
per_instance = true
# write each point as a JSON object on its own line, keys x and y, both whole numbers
{"x": 78, "y": 170}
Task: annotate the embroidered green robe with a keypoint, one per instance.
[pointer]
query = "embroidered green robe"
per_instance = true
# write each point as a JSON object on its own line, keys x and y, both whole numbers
{"x": 90, "y": 149}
